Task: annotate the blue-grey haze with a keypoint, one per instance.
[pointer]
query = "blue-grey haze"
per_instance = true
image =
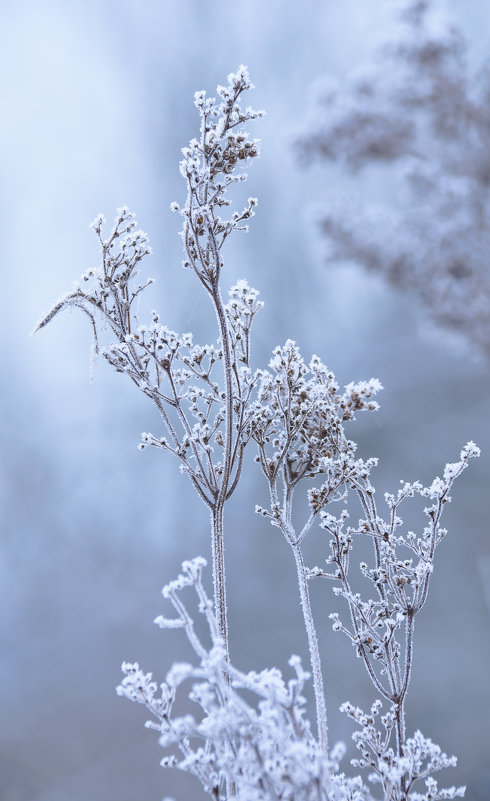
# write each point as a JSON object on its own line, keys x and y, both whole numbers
{"x": 96, "y": 103}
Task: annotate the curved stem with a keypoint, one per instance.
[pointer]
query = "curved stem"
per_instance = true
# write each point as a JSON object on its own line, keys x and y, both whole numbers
{"x": 316, "y": 665}
{"x": 227, "y": 366}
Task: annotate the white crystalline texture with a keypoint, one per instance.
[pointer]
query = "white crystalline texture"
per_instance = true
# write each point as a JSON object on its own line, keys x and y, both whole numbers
{"x": 249, "y": 738}
{"x": 264, "y": 746}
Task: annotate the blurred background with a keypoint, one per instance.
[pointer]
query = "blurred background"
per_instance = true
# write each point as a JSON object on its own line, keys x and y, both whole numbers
{"x": 96, "y": 104}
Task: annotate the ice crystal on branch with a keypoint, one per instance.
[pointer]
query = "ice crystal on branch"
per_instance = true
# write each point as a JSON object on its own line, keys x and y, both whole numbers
{"x": 107, "y": 293}
{"x": 416, "y": 110}
{"x": 262, "y": 747}
{"x": 419, "y": 758}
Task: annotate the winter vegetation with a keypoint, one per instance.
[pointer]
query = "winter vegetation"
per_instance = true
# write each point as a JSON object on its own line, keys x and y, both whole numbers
{"x": 250, "y": 737}
{"x": 417, "y": 110}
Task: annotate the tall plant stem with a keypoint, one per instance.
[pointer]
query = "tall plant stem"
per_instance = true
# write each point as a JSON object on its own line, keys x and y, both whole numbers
{"x": 218, "y": 546}
{"x": 219, "y": 579}
{"x": 217, "y": 512}
{"x": 316, "y": 665}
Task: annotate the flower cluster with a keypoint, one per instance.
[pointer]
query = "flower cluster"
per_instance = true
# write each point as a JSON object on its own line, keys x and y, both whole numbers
{"x": 420, "y": 757}
{"x": 210, "y": 166}
{"x": 298, "y": 425}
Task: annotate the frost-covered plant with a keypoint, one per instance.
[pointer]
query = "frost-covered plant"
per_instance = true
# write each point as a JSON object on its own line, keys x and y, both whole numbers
{"x": 299, "y": 433}
{"x": 264, "y": 750}
{"x": 415, "y": 109}
{"x": 295, "y": 414}
{"x": 382, "y": 630}
{"x": 207, "y": 424}
{"x": 299, "y": 428}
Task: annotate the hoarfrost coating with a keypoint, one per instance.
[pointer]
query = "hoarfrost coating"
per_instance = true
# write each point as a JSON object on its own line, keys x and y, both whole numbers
{"x": 212, "y": 405}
